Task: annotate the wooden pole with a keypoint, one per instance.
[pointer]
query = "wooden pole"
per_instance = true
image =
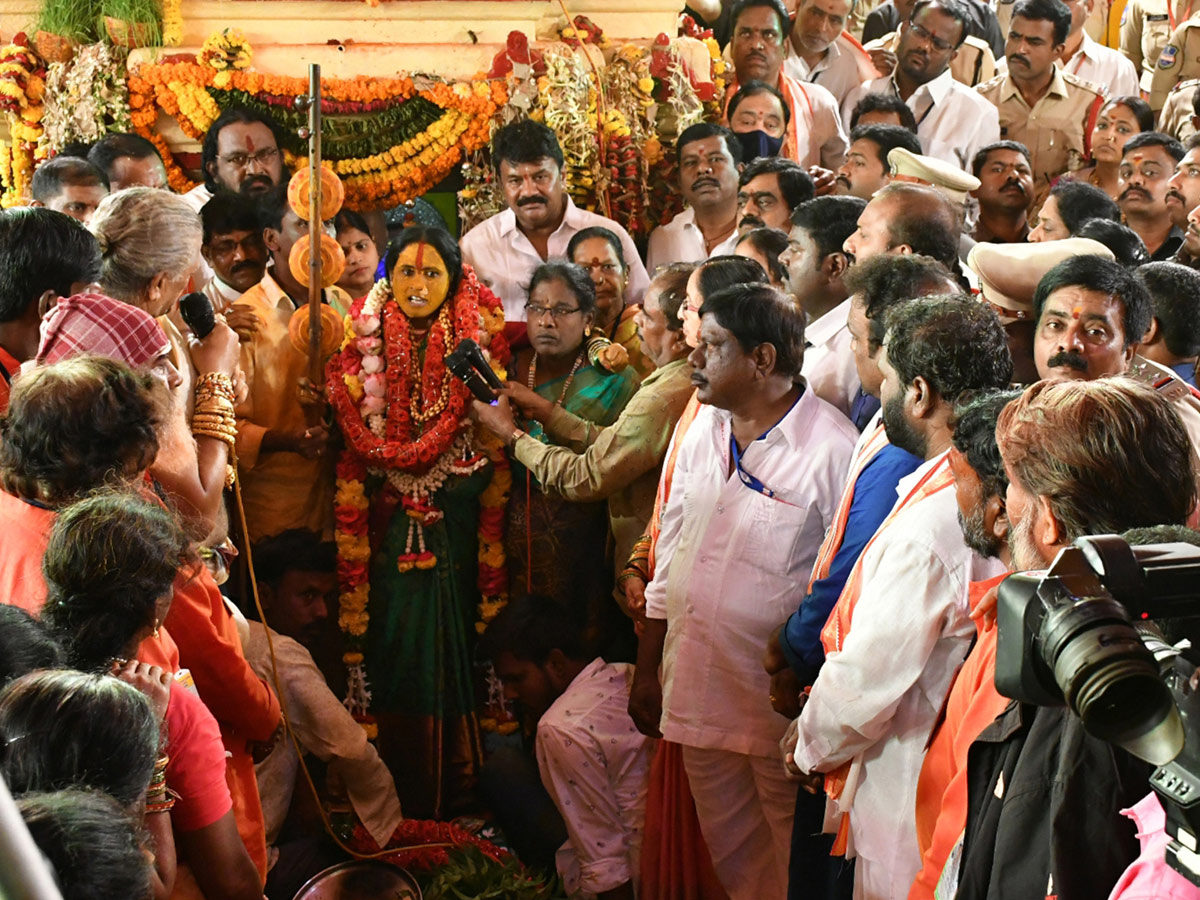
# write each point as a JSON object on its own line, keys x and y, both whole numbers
{"x": 315, "y": 227}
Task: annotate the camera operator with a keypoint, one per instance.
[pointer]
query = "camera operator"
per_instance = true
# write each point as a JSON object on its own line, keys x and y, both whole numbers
{"x": 1043, "y": 796}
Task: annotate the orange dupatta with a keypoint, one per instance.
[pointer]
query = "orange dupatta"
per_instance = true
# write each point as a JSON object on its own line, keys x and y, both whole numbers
{"x": 837, "y": 627}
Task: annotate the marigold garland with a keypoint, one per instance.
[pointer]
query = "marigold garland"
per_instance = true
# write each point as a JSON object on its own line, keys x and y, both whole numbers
{"x": 194, "y": 94}
{"x": 22, "y": 90}
{"x": 381, "y": 391}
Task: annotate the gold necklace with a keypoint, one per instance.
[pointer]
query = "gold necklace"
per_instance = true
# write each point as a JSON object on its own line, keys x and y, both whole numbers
{"x": 571, "y": 377}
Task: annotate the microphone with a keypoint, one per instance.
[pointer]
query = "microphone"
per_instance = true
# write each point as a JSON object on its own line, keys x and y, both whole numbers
{"x": 468, "y": 364}
{"x": 197, "y": 311}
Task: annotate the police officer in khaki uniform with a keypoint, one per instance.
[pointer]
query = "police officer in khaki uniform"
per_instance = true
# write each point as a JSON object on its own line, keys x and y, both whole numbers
{"x": 1180, "y": 117}
{"x": 973, "y": 64}
{"x": 1146, "y": 27}
{"x": 1048, "y": 110}
{"x": 1179, "y": 62}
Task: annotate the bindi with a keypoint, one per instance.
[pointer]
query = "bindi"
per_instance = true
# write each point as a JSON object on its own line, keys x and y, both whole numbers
{"x": 420, "y": 253}
{"x": 1076, "y": 312}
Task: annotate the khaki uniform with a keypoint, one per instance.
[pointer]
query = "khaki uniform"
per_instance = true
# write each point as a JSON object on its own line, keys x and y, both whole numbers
{"x": 1146, "y": 30}
{"x": 1180, "y": 60}
{"x": 1176, "y": 390}
{"x": 1057, "y": 130}
{"x": 974, "y": 63}
{"x": 1176, "y": 116}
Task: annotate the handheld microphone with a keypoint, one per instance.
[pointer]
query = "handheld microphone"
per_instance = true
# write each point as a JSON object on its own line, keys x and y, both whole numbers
{"x": 468, "y": 364}
{"x": 197, "y": 311}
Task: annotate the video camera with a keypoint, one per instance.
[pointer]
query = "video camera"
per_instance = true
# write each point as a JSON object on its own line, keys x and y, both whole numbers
{"x": 1080, "y": 633}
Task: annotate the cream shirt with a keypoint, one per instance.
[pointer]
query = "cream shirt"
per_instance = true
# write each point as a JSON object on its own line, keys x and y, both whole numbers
{"x": 837, "y": 71}
{"x": 732, "y": 563}
{"x": 504, "y": 259}
{"x": 681, "y": 240}
{"x": 828, "y": 360}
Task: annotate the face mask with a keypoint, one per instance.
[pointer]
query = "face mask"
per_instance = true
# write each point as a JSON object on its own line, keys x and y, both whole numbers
{"x": 758, "y": 143}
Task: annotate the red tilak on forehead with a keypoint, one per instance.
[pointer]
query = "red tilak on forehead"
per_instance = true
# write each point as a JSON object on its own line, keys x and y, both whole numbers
{"x": 420, "y": 253}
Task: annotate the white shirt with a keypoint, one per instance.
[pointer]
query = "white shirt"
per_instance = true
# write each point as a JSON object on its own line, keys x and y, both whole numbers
{"x": 197, "y": 197}
{"x": 837, "y": 70}
{"x": 733, "y": 563}
{"x": 324, "y": 728}
{"x": 596, "y": 767}
{"x": 828, "y": 361}
{"x": 681, "y": 240}
{"x": 221, "y": 295}
{"x": 504, "y": 259}
{"x": 953, "y": 121}
{"x": 876, "y": 700}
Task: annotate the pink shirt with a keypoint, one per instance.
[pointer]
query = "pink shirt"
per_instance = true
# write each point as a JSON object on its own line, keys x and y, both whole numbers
{"x": 1149, "y": 877}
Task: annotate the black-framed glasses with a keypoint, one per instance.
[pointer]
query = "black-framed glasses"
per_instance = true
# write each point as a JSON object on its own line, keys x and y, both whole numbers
{"x": 535, "y": 311}
{"x": 926, "y": 35}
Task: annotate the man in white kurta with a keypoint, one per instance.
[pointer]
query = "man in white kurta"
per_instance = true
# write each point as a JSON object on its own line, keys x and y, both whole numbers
{"x": 901, "y": 628}
{"x": 739, "y": 536}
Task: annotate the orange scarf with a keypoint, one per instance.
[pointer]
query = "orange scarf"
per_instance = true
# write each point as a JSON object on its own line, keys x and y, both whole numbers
{"x": 668, "y": 470}
{"x": 837, "y": 530}
{"x": 938, "y": 478}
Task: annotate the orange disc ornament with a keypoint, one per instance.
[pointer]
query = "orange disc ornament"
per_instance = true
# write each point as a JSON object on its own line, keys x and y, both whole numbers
{"x": 332, "y": 193}
{"x": 332, "y": 330}
{"x": 333, "y": 260}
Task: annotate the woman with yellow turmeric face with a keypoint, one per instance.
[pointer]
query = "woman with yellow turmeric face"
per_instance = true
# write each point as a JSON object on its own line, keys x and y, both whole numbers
{"x": 420, "y": 280}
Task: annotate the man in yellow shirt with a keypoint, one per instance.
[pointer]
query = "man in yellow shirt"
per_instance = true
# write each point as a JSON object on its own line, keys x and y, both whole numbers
{"x": 283, "y": 462}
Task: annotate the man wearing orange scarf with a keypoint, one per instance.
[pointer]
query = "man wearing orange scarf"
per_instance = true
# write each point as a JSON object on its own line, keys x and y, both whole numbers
{"x": 901, "y": 625}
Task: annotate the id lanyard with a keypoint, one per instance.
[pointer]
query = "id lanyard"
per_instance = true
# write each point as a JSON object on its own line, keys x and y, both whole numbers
{"x": 752, "y": 481}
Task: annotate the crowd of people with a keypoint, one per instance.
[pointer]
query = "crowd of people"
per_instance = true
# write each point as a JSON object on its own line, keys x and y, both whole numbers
{"x": 729, "y": 537}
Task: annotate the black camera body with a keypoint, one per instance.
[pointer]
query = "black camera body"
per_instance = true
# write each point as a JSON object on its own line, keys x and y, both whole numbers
{"x": 1079, "y": 634}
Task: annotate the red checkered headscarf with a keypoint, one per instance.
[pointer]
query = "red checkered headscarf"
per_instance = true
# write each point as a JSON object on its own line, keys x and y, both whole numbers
{"x": 102, "y": 326}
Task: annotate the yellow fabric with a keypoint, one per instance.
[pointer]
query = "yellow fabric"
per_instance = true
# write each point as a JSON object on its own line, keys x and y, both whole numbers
{"x": 280, "y": 490}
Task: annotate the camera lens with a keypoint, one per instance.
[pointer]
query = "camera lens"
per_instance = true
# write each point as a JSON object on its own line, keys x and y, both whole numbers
{"x": 1110, "y": 679}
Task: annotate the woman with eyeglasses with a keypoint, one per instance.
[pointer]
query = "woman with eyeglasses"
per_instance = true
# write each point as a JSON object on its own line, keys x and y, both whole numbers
{"x": 554, "y": 546}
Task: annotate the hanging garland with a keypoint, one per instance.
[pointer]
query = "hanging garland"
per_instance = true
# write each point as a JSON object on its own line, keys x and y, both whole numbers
{"x": 403, "y": 419}
{"x": 391, "y": 139}
{"x": 22, "y": 89}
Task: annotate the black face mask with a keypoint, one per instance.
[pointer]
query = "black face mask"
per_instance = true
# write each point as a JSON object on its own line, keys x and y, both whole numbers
{"x": 758, "y": 143}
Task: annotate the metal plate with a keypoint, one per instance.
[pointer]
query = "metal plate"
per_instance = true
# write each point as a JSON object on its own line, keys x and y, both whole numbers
{"x": 364, "y": 879}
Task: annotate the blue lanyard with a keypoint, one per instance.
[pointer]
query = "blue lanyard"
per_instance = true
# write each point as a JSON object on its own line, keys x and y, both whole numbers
{"x": 749, "y": 480}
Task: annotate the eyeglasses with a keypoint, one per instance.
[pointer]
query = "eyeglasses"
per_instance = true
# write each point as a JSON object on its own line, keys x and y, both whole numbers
{"x": 534, "y": 311}
{"x": 263, "y": 157}
{"x": 926, "y": 35}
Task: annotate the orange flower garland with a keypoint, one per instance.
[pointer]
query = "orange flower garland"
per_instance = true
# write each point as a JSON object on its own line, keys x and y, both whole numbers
{"x": 185, "y": 91}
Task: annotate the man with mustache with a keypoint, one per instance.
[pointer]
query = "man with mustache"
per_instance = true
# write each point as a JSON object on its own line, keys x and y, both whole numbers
{"x": 821, "y": 52}
{"x": 769, "y": 189}
{"x": 1004, "y": 192}
{"x": 869, "y": 713}
{"x": 756, "y": 481}
{"x": 710, "y": 162}
{"x": 1048, "y": 110}
{"x": 866, "y": 171}
{"x": 953, "y": 122}
{"x": 1183, "y": 196}
{"x": 240, "y": 154}
{"x": 814, "y": 136}
{"x": 1147, "y": 164}
{"x": 233, "y": 246}
{"x": 538, "y": 223}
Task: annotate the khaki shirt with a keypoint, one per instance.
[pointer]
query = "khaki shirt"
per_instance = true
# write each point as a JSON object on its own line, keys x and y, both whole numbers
{"x": 1180, "y": 61}
{"x": 973, "y": 64}
{"x": 1145, "y": 31}
{"x": 1177, "y": 114}
{"x": 1057, "y": 130}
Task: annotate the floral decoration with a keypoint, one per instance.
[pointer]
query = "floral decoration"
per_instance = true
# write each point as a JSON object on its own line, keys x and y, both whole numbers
{"x": 85, "y": 98}
{"x": 391, "y": 139}
{"x": 403, "y": 419}
{"x": 22, "y": 91}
